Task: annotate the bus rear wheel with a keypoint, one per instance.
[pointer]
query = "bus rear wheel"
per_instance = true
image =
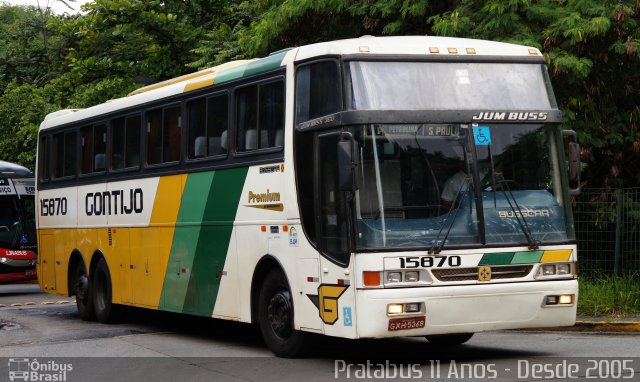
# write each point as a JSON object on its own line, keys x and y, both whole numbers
{"x": 105, "y": 310}
{"x": 449, "y": 339}
{"x": 275, "y": 315}
{"x": 84, "y": 300}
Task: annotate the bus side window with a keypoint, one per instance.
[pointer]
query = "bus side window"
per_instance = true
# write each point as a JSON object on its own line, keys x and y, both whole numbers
{"x": 86, "y": 149}
{"x": 197, "y": 133}
{"x": 217, "y": 121}
{"x": 93, "y": 142}
{"x": 260, "y": 116}
{"x": 64, "y": 154}
{"x": 171, "y": 135}
{"x": 271, "y": 114}
{"x": 154, "y": 136}
{"x": 43, "y": 161}
{"x": 117, "y": 143}
{"x": 132, "y": 144}
{"x": 99, "y": 147}
{"x": 247, "y": 123}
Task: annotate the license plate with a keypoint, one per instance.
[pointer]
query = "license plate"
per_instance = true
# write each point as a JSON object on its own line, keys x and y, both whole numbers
{"x": 407, "y": 323}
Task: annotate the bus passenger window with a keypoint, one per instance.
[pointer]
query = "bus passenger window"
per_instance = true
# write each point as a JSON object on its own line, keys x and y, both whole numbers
{"x": 154, "y": 136}
{"x": 217, "y": 120}
{"x": 117, "y": 143}
{"x": 64, "y": 154}
{"x": 132, "y": 146}
{"x": 171, "y": 135}
{"x": 99, "y": 147}
{"x": 247, "y": 112}
{"x": 43, "y": 161}
{"x": 272, "y": 115}
{"x": 86, "y": 146}
{"x": 197, "y": 128}
{"x": 93, "y": 143}
{"x": 260, "y": 116}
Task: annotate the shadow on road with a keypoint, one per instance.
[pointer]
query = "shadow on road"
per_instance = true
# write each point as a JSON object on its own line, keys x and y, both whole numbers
{"x": 399, "y": 350}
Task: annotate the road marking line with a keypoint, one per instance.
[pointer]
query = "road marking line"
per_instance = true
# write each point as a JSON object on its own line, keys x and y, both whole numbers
{"x": 2, "y": 305}
{"x": 63, "y": 302}
{"x": 29, "y": 303}
{"x": 47, "y": 303}
{"x": 16, "y": 304}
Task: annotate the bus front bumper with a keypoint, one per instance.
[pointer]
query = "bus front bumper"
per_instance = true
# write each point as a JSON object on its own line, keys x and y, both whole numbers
{"x": 466, "y": 308}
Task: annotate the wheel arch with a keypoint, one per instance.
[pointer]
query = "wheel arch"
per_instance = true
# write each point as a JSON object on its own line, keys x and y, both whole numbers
{"x": 265, "y": 265}
{"x": 75, "y": 259}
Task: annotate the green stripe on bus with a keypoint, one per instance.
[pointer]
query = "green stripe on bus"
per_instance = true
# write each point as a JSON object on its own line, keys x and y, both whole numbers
{"x": 183, "y": 249}
{"x": 527, "y": 257}
{"x": 250, "y": 68}
{"x": 230, "y": 74}
{"x": 265, "y": 64}
{"x": 213, "y": 243}
{"x": 496, "y": 258}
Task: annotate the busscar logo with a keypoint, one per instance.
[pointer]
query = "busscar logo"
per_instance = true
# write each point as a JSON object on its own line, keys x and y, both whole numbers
{"x": 24, "y": 369}
{"x": 511, "y": 116}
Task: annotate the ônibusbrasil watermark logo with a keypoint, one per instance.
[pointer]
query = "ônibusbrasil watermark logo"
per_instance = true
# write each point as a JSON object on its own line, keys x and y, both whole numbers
{"x": 25, "y": 369}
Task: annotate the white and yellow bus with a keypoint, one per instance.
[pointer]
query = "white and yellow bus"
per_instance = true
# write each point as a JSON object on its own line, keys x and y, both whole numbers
{"x": 363, "y": 188}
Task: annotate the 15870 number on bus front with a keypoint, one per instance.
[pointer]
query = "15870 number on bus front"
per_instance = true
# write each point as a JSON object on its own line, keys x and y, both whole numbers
{"x": 430, "y": 261}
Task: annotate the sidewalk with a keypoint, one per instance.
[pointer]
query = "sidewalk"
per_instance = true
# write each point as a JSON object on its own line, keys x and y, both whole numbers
{"x": 607, "y": 324}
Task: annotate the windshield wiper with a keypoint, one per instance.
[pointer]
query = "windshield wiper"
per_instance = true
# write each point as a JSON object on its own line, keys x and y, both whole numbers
{"x": 435, "y": 248}
{"x": 533, "y": 244}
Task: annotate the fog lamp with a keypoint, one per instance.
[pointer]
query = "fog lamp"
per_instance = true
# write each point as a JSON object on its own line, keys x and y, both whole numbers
{"x": 566, "y": 299}
{"x": 412, "y": 307}
{"x": 395, "y": 308}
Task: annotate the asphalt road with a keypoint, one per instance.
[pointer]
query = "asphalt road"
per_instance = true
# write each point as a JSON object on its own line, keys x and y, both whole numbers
{"x": 157, "y": 346}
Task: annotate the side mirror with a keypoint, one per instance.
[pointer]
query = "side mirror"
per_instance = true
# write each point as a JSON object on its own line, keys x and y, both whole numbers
{"x": 573, "y": 158}
{"x": 347, "y": 162}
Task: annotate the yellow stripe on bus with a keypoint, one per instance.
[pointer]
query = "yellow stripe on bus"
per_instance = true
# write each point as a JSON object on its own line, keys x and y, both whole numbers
{"x": 556, "y": 255}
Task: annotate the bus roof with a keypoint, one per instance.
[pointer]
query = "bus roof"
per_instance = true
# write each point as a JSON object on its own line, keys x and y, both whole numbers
{"x": 12, "y": 170}
{"x": 367, "y": 45}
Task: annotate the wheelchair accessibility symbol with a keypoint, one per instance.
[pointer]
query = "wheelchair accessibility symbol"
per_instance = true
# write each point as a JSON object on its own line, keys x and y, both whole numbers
{"x": 482, "y": 135}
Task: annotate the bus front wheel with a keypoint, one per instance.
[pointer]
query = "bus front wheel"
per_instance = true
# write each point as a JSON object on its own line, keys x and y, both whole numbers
{"x": 275, "y": 315}
{"x": 449, "y": 339}
{"x": 105, "y": 310}
{"x": 84, "y": 300}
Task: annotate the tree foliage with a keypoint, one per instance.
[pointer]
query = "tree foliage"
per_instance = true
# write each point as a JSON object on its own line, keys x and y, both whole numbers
{"x": 592, "y": 48}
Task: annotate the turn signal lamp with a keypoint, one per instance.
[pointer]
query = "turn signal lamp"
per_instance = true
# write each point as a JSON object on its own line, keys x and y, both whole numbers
{"x": 371, "y": 278}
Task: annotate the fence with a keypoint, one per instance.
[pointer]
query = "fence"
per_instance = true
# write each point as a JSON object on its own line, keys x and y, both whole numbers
{"x": 607, "y": 226}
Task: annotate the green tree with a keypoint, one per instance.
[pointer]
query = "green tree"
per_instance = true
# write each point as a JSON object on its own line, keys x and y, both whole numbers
{"x": 593, "y": 52}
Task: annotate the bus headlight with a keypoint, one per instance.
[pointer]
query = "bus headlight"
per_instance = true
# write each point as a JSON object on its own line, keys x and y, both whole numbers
{"x": 412, "y": 276}
{"x": 394, "y": 277}
{"x": 555, "y": 271}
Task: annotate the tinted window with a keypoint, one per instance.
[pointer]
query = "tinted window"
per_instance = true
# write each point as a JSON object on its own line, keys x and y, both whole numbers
{"x": 163, "y": 135}
{"x": 317, "y": 90}
{"x": 125, "y": 138}
{"x": 154, "y": 136}
{"x": 260, "y": 116}
{"x": 93, "y": 143}
{"x": 43, "y": 159}
{"x": 64, "y": 154}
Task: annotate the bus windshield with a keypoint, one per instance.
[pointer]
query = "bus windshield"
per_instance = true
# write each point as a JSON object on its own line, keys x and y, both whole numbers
{"x": 382, "y": 85}
{"x": 416, "y": 187}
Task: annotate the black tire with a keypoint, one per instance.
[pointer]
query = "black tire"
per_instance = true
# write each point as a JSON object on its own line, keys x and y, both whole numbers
{"x": 449, "y": 339}
{"x": 82, "y": 291}
{"x": 275, "y": 315}
{"x": 105, "y": 310}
